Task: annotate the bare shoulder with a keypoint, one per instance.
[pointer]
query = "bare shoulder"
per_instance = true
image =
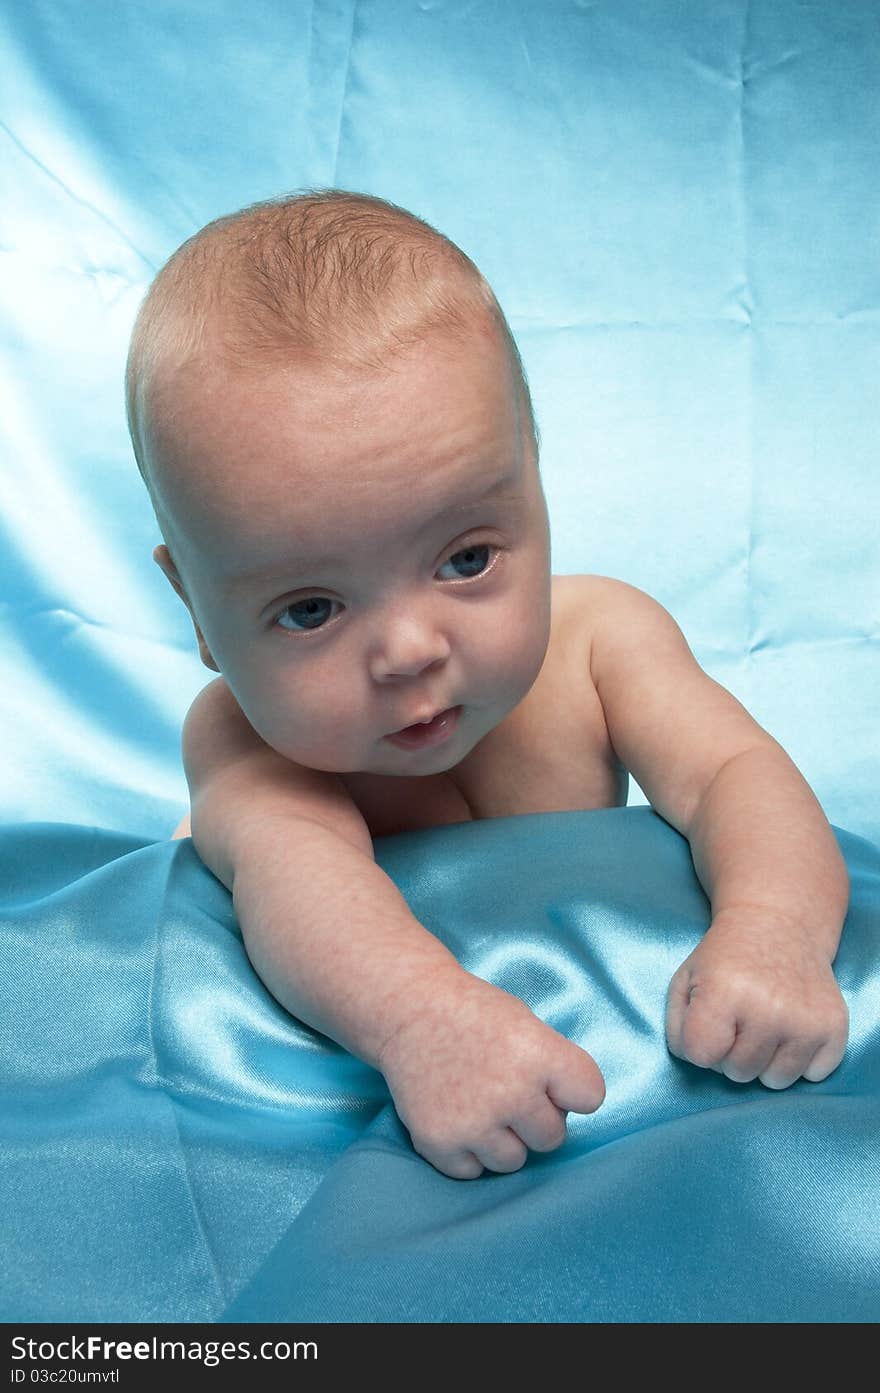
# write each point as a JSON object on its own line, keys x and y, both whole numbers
{"x": 216, "y": 731}
{"x": 671, "y": 724}
{"x": 581, "y": 604}
{"x": 592, "y": 603}
{"x": 584, "y": 593}
{"x": 612, "y": 612}
{"x": 596, "y": 590}
{"x": 228, "y": 764}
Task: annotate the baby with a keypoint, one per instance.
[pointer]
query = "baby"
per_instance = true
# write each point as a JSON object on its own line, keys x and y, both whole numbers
{"x": 334, "y": 425}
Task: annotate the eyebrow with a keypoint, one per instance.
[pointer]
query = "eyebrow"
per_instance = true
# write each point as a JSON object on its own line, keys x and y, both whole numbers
{"x": 325, "y": 562}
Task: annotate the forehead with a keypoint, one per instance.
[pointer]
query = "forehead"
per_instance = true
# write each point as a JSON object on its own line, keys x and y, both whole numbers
{"x": 244, "y": 460}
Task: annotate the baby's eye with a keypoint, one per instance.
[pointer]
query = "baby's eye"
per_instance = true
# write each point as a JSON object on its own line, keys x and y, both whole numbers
{"x": 472, "y": 560}
{"x": 306, "y": 614}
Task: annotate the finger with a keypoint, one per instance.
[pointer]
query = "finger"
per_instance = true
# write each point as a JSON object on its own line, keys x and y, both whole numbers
{"x": 575, "y": 1082}
{"x": 459, "y": 1164}
{"x": 504, "y": 1151}
{"x": 676, "y": 1004}
{"x": 750, "y": 1054}
{"x": 707, "y": 1034}
{"x": 788, "y": 1063}
{"x": 542, "y": 1127}
{"x": 832, "y": 1049}
{"x": 825, "y": 1060}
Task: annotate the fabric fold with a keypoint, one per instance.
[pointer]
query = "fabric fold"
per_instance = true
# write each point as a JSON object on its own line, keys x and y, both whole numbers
{"x": 177, "y": 1147}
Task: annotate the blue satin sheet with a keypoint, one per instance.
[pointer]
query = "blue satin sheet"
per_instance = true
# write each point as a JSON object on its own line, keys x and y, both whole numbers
{"x": 677, "y": 205}
{"x": 176, "y": 1147}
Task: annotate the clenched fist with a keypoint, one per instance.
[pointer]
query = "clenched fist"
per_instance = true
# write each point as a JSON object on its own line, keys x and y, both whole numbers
{"x": 758, "y": 1000}
{"x": 479, "y": 1081}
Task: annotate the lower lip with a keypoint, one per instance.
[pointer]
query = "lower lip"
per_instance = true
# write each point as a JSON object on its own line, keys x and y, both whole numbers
{"x": 434, "y": 733}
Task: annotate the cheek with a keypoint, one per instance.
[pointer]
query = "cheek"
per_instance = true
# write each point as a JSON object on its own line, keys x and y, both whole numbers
{"x": 505, "y": 649}
{"x": 306, "y": 704}
{"x": 296, "y": 702}
{"x": 532, "y": 649}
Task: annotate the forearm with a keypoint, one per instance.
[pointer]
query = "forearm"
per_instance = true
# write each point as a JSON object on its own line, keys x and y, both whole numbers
{"x": 759, "y": 838}
{"x": 331, "y": 936}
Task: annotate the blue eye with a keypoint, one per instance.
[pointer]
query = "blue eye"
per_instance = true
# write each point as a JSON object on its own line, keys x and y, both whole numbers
{"x": 472, "y": 560}
{"x": 313, "y": 612}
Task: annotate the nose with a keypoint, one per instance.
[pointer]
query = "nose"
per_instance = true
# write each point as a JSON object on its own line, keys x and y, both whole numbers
{"x": 408, "y": 645}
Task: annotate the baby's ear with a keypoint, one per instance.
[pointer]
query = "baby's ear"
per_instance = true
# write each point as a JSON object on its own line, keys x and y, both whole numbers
{"x": 162, "y": 558}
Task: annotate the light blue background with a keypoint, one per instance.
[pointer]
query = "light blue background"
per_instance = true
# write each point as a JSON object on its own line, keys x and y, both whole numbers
{"x": 677, "y": 205}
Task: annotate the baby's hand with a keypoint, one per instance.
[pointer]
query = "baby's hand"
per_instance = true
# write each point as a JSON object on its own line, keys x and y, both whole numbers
{"x": 756, "y": 999}
{"x": 478, "y": 1080}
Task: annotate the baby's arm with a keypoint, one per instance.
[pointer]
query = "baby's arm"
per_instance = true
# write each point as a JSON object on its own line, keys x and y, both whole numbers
{"x": 475, "y": 1076}
{"x": 757, "y": 998}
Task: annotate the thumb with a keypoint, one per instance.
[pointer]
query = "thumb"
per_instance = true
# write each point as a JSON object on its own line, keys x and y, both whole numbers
{"x": 708, "y": 1031}
{"x": 676, "y": 1005}
{"x": 575, "y": 1083}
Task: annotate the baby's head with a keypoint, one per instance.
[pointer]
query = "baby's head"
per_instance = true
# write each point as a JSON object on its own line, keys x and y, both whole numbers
{"x": 332, "y": 419}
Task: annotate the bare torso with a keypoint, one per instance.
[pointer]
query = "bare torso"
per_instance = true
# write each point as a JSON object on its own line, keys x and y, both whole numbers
{"x": 552, "y": 753}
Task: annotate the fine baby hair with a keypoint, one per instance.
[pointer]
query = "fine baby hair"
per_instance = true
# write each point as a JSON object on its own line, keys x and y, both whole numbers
{"x": 345, "y": 280}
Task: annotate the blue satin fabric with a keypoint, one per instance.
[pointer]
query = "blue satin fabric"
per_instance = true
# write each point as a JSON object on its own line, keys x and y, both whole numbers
{"x": 176, "y": 1147}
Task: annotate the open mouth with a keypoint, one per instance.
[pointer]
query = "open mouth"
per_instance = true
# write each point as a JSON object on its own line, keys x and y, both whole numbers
{"x": 426, "y": 733}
